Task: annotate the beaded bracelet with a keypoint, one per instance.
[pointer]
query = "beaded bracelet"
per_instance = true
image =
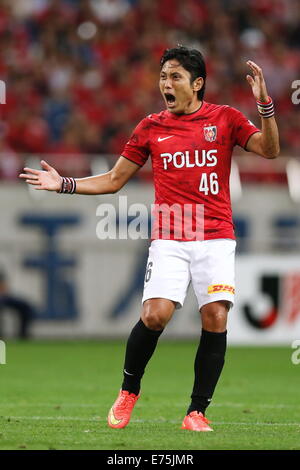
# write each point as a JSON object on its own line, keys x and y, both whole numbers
{"x": 68, "y": 185}
{"x": 266, "y": 110}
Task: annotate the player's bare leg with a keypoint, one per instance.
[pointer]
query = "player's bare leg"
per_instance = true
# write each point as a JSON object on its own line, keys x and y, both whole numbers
{"x": 208, "y": 364}
{"x": 141, "y": 345}
{"x": 157, "y": 313}
{"x": 214, "y": 316}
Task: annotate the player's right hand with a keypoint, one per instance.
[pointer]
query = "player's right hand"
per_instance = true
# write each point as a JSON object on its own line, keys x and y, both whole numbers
{"x": 48, "y": 178}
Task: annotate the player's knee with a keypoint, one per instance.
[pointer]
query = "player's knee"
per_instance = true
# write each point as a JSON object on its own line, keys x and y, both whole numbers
{"x": 154, "y": 320}
{"x": 214, "y": 315}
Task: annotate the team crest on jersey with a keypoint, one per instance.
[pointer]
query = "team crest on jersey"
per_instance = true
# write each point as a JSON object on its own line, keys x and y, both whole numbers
{"x": 210, "y": 133}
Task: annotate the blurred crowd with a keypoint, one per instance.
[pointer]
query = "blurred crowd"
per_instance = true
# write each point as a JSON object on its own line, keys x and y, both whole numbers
{"x": 80, "y": 74}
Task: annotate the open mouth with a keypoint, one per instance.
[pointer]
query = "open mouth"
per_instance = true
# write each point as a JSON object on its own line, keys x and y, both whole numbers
{"x": 170, "y": 99}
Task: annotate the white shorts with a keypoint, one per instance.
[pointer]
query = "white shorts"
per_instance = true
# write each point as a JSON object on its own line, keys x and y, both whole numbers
{"x": 208, "y": 264}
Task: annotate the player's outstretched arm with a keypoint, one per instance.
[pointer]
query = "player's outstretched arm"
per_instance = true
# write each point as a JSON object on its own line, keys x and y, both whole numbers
{"x": 266, "y": 142}
{"x": 50, "y": 180}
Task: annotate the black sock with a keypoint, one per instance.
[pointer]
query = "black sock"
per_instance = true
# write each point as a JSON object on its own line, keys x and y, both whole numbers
{"x": 208, "y": 366}
{"x": 140, "y": 346}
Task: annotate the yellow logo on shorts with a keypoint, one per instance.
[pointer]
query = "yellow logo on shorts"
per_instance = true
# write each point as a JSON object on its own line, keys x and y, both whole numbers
{"x": 216, "y": 288}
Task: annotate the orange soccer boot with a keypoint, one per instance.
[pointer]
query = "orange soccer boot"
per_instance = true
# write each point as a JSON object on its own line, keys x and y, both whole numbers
{"x": 120, "y": 413}
{"x": 196, "y": 421}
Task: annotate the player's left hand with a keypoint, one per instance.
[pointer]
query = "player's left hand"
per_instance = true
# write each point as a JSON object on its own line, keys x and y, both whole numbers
{"x": 257, "y": 82}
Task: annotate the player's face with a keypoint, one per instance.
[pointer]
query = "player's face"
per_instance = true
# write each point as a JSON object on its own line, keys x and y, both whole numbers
{"x": 175, "y": 85}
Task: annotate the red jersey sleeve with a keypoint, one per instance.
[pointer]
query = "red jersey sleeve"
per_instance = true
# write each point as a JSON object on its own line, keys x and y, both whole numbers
{"x": 137, "y": 148}
{"x": 242, "y": 128}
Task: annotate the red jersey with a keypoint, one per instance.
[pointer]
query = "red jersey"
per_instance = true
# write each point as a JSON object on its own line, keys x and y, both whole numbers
{"x": 191, "y": 162}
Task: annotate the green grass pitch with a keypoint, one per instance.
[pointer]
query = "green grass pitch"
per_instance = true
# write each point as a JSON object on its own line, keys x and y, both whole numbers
{"x": 56, "y": 395}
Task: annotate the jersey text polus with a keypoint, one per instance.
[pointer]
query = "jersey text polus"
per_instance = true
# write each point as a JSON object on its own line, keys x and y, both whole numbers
{"x": 187, "y": 159}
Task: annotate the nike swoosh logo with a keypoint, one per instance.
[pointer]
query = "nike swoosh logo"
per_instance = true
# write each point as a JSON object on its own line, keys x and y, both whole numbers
{"x": 113, "y": 420}
{"x": 127, "y": 373}
{"x": 160, "y": 139}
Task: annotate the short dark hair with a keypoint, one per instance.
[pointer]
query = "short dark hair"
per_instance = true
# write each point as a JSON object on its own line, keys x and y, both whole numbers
{"x": 191, "y": 60}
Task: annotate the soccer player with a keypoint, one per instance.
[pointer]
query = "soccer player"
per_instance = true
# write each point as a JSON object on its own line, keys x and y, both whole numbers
{"x": 190, "y": 144}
